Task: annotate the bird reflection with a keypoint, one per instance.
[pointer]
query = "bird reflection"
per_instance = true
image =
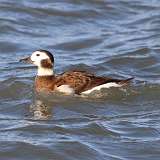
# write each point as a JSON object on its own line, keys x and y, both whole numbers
{"x": 41, "y": 110}
{"x": 43, "y": 104}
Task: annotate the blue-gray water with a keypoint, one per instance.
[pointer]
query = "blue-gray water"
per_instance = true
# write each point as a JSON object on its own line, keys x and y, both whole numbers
{"x": 118, "y": 38}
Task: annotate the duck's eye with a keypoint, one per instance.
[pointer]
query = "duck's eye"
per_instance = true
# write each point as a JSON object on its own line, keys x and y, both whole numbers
{"x": 37, "y": 54}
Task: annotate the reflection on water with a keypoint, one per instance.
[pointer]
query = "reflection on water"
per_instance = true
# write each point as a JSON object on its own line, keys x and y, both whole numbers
{"x": 41, "y": 110}
{"x": 42, "y": 107}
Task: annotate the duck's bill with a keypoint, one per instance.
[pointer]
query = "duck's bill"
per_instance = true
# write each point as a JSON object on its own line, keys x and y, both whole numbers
{"x": 26, "y": 60}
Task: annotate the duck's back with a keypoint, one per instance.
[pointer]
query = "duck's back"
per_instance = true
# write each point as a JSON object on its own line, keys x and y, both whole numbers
{"x": 82, "y": 81}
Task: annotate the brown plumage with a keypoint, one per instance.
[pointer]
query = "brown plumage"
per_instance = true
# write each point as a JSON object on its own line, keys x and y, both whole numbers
{"x": 46, "y": 83}
{"x": 46, "y": 63}
{"x": 69, "y": 82}
{"x": 80, "y": 81}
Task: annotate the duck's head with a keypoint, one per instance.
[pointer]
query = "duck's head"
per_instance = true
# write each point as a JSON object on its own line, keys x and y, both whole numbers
{"x": 43, "y": 59}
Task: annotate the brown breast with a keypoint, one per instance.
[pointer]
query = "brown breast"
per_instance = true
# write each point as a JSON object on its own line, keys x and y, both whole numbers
{"x": 44, "y": 83}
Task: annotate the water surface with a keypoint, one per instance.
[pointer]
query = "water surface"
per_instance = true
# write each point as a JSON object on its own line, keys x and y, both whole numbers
{"x": 107, "y": 37}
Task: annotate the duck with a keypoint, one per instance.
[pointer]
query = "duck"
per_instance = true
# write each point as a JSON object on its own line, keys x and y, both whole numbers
{"x": 70, "y": 82}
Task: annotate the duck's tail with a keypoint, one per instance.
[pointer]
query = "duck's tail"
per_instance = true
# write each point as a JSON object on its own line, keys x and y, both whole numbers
{"x": 126, "y": 81}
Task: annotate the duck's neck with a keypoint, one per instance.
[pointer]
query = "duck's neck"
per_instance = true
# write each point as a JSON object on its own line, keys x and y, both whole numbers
{"x": 45, "y": 71}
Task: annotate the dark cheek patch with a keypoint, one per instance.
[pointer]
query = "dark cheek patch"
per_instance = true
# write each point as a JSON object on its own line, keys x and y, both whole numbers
{"x": 46, "y": 63}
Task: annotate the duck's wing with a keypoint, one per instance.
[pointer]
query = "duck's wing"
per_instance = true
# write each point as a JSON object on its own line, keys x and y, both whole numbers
{"x": 81, "y": 81}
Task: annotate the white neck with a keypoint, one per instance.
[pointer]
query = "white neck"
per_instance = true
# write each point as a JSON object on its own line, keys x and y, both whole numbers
{"x": 45, "y": 71}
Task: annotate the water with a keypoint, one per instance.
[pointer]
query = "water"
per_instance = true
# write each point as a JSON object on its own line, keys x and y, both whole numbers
{"x": 117, "y": 38}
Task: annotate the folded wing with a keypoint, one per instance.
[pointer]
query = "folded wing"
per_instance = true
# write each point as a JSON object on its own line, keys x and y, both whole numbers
{"x": 82, "y": 81}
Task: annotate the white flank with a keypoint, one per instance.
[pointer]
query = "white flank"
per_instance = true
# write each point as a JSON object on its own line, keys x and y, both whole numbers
{"x": 107, "y": 85}
{"x": 45, "y": 71}
{"x": 65, "y": 89}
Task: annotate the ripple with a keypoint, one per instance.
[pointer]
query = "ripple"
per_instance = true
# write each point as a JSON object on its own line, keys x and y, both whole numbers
{"x": 80, "y": 44}
{"x": 111, "y": 38}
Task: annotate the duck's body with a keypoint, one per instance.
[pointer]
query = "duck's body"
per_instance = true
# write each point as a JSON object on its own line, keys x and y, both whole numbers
{"x": 76, "y": 82}
{"x": 71, "y": 82}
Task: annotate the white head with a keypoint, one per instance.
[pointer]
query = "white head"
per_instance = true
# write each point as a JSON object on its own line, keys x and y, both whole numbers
{"x": 44, "y": 60}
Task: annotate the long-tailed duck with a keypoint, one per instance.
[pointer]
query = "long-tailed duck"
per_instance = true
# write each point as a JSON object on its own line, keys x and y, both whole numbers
{"x": 71, "y": 82}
